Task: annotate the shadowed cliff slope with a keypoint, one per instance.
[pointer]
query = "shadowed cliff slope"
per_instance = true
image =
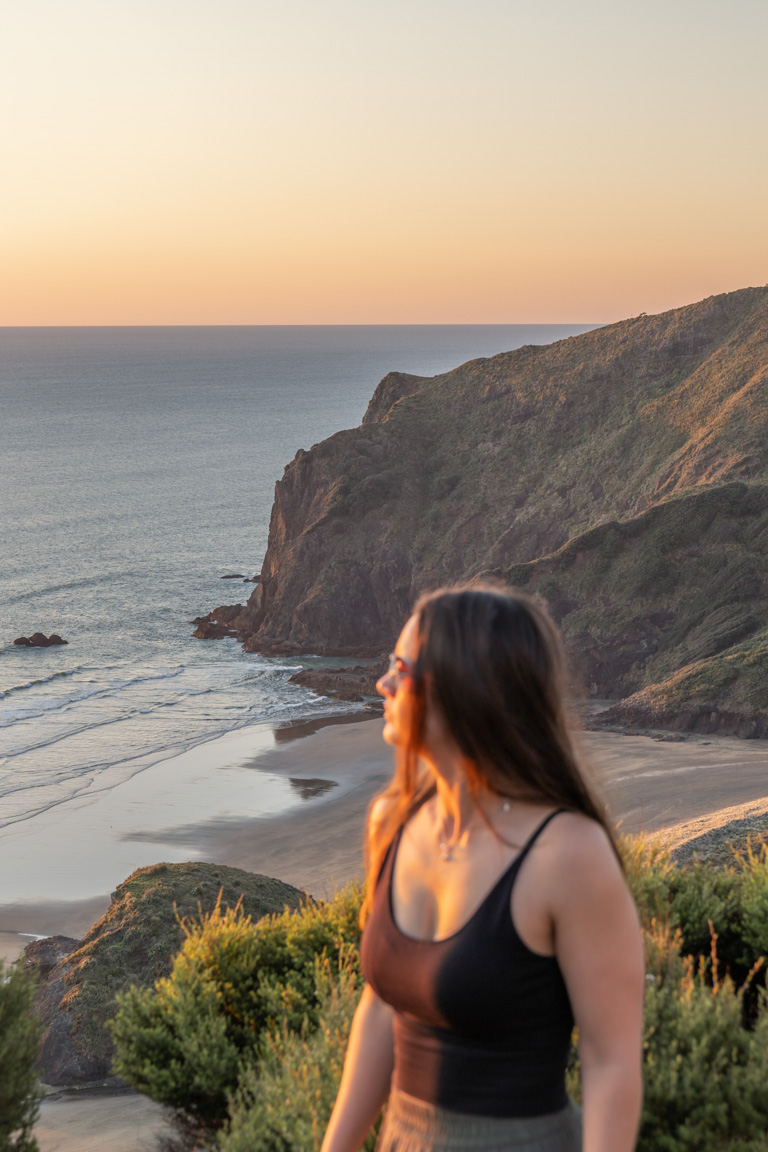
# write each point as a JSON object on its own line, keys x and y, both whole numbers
{"x": 622, "y": 473}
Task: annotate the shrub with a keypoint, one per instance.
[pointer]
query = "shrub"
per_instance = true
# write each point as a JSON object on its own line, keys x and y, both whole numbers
{"x": 754, "y": 902}
{"x": 702, "y": 896}
{"x": 186, "y": 1042}
{"x": 133, "y": 944}
{"x": 19, "y": 1047}
{"x": 704, "y": 1073}
{"x": 284, "y": 1105}
{"x": 650, "y": 871}
{"x": 733, "y": 899}
{"x": 705, "y": 1088}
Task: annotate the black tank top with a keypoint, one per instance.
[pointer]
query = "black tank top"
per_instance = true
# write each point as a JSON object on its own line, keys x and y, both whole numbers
{"x": 482, "y": 1024}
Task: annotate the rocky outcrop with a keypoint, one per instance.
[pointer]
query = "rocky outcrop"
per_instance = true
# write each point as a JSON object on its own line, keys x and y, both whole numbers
{"x": 38, "y": 640}
{"x": 43, "y": 955}
{"x": 219, "y": 623}
{"x": 621, "y": 474}
{"x": 352, "y": 684}
{"x": 133, "y": 943}
{"x": 634, "y": 716}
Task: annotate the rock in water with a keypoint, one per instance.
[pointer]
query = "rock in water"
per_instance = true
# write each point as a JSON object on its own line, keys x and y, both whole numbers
{"x": 133, "y": 943}
{"x": 38, "y": 640}
{"x": 351, "y": 684}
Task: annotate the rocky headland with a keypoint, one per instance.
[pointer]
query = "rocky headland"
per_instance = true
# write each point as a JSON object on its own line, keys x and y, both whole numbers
{"x": 621, "y": 474}
{"x": 133, "y": 943}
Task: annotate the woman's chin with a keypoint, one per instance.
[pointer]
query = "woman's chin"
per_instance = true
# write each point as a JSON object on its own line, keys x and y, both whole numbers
{"x": 390, "y": 734}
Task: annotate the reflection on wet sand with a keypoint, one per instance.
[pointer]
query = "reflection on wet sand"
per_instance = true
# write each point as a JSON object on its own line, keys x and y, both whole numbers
{"x": 308, "y": 789}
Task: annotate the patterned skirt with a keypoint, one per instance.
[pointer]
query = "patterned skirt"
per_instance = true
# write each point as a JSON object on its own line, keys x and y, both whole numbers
{"x": 412, "y": 1125}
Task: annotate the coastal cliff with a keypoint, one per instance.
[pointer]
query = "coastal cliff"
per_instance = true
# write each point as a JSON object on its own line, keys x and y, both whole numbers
{"x": 622, "y": 474}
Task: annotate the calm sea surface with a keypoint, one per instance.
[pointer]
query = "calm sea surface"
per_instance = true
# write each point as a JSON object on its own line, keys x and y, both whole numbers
{"x": 137, "y": 467}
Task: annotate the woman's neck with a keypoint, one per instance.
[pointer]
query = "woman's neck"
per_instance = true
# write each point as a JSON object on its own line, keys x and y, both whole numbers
{"x": 456, "y": 808}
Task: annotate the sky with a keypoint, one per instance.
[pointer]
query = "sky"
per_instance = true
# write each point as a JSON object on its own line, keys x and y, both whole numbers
{"x": 378, "y": 161}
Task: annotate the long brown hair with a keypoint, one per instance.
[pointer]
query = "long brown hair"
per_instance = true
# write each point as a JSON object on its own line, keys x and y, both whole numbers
{"x": 491, "y": 661}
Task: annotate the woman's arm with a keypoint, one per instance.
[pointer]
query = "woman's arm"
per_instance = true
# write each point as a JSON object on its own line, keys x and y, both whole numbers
{"x": 366, "y": 1078}
{"x": 599, "y": 947}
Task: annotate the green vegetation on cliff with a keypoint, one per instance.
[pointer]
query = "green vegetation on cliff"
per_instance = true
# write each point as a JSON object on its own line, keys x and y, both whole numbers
{"x": 133, "y": 944}
{"x": 674, "y": 596}
{"x": 623, "y": 474}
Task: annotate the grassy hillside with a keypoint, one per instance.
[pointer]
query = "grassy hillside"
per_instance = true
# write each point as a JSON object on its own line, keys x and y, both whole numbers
{"x": 669, "y": 609}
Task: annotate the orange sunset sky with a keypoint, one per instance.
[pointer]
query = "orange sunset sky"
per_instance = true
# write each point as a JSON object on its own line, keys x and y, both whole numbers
{"x": 379, "y": 161}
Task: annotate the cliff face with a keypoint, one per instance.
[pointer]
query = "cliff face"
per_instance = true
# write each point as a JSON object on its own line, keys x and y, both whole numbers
{"x": 612, "y": 471}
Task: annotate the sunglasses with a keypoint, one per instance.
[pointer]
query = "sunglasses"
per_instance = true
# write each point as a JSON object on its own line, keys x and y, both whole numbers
{"x": 399, "y": 668}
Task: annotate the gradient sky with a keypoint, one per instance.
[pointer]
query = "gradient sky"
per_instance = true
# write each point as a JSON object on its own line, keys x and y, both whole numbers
{"x": 378, "y": 161}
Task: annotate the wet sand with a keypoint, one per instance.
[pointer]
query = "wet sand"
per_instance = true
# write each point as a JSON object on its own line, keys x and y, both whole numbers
{"x": 322, "y": 766}
{"x": 317, "y": 844}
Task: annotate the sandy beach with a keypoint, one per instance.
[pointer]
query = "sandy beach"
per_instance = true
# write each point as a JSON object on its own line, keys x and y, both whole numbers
{"x": 311, "y": 785}
{"x": 329, "y": 772}
{"x": 219, "y": 801}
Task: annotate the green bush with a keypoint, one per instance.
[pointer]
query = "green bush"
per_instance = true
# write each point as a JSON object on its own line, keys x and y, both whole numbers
{"x": 285, "y": 1103}
{"x": 754, "y": 902}
{"x": 246, "y": 1037}
{"x": 703, "y": 896}
{"x": 732, "y": 899}
{"x": 705, "y": 1084}
{"x": 19, "y": 1048}
{"x": 186, "y": 1042}
{"x": 650, "y": 871}
{"x": 705, "y": 1087}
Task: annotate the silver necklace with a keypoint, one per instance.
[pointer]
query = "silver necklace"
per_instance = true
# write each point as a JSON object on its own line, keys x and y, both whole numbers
{"x": 447, "y": 846}
{"x": 446, "y": 851}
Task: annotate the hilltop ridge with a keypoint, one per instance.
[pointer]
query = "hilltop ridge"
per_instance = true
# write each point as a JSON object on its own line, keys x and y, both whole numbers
{"x": 622, "y": 474}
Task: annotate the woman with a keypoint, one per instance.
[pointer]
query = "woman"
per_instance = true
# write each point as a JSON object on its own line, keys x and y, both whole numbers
{"x": 498, "y": 913}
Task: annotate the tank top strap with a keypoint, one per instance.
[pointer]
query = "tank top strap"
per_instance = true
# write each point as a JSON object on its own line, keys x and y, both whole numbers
{"x": 533, "y": 838}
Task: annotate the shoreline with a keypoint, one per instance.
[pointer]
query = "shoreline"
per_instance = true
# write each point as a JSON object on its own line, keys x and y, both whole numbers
{"x": 341, "y": 762}
{"x": 284, "y": 776}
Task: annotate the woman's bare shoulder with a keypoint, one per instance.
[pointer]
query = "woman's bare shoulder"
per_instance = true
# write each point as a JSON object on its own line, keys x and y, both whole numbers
{"x": 577, "y": 848}
{"x": 380, "y": 808}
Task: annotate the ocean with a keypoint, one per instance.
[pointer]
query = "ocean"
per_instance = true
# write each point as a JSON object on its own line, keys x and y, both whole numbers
{"x": 137, "y": 467}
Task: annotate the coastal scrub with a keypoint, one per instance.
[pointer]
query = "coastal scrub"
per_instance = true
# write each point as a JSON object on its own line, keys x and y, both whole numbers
{"x": 133, "y": 944}
{"x": 245, "y": 1039}
{"x": 19, "y": 1047}
{"x": 187, "y": 1042}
